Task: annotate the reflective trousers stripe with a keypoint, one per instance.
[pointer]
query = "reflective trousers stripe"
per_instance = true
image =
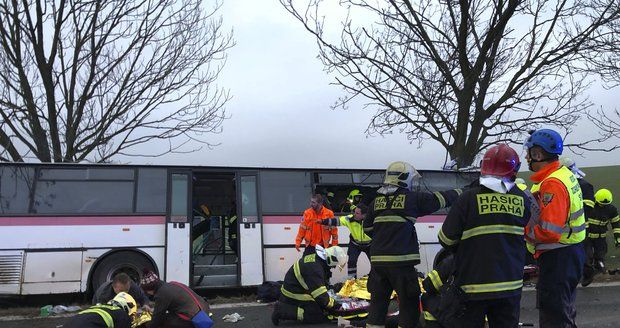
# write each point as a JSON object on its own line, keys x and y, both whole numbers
{"x": 492, "y": 287}
{"x": 394, "y": 258}
{"x": 300, "y": 314}
{"x": 441, "y": 199}
{"x": 493, "y": 229}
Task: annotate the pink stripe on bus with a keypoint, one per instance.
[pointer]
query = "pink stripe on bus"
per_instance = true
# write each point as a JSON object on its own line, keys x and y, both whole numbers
{"x": 296, "y": 219}
{"x": 80, "y": 220}
{"x": 290, "y": 219}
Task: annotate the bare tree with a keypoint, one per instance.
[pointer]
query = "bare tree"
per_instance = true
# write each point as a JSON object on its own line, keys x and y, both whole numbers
{"x": 88, "y": 80}
{"x": 468, "y": 73}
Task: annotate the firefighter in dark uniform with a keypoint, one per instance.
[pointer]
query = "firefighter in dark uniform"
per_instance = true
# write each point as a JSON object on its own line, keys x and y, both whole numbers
{"x": 443, "y": 270}
{"x": 117, "y": 313}
{"x": 587, "y": 191}
{"x": 394, "y": 251}
{"x": 487, "y": 224}
{"x": 304, "y": 294}
{"x": 602, "y": 215}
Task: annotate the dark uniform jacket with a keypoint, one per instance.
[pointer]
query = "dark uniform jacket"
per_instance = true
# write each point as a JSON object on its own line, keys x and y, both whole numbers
{"x": 176, "y": 301}
{"x": 432, "y": 284}
{"x": 601, "y": 216}
{"x": 105, "y": 293}
{"x": 306, "y": 281}
{"x": 391, "y": 224}
{"x": 488, "y": 228}
{"x": 88, "y": 319}
{"x": 587, "y": 191}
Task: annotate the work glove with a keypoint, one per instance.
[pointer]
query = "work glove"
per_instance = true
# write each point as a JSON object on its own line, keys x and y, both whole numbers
{"x": 325, "y": 222}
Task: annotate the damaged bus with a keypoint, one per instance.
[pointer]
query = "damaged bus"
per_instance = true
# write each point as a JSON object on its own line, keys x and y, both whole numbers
{"x": 67, "y": 228}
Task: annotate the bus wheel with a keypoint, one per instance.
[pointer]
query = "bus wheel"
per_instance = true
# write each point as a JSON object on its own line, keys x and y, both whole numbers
{"x": 131, "y": 263}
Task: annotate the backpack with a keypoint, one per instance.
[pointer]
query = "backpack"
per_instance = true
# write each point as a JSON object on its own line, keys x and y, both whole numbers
{"x": 269, "y": 291}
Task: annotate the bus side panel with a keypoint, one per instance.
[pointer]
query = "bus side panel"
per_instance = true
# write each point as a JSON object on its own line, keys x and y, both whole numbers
{"x": 52, "y": 272}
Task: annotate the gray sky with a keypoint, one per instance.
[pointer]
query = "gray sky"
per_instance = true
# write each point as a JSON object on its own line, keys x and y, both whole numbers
{"x": 280, "y": 109}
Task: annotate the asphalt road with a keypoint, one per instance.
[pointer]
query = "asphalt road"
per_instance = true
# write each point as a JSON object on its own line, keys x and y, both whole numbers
{"x": 596, "y": 306}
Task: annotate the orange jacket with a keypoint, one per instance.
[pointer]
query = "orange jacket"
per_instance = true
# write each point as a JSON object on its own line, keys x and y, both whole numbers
{"x": 554, "y": 202}
{"x": 313, "y": 232}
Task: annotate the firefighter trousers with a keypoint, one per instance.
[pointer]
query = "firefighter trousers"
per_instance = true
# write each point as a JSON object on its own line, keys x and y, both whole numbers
{"x": 353, "y": 252}
{"x": 596, "y": 249}
{"x": 501, "y": 313}
{"x": 556, "y": 290}
{"x": 306, "y": 313}
{"x": 403, "y": 280}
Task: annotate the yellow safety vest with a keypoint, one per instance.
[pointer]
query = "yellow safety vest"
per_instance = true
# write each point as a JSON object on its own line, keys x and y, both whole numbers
{"x": 356, "y": 229}
{"x": 574, "y": 230}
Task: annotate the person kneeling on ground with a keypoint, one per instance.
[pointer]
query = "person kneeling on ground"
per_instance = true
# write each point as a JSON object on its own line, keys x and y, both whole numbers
{"x": 175, "y": 303}
{"x": 120, "y": 283}
{"x": 117, "y": 313}
{"x": 304, "y": 294}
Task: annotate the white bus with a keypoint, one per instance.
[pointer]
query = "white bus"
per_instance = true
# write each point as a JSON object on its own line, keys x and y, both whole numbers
{"x": 67, "y": 228}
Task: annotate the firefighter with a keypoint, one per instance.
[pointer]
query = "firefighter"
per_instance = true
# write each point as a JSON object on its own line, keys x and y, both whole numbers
{"x": 443, "y": 270}
{"x": 394, "y": 251}
{"x": 602, "y": 215}
{"x": 310, "y": 229}
{"x": 304, "y": 295}
{"x": 487, "y": 224}
{"x": 556, "y": 235}
{"x": 120, "y": 283}
{"x": 354, "y": 198}
{"x": 117, "y": 313}
{"x": 359, "y": 242}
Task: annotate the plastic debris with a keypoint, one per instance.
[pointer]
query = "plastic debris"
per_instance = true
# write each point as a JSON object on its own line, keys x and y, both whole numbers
{"x": 46, "y": 310}
{"x": 232, "y": 317}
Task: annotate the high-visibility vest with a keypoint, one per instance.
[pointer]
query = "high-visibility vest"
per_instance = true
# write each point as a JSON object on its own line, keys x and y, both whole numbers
{"x": 356, "y": 229}
{"x": 574, "y": 230}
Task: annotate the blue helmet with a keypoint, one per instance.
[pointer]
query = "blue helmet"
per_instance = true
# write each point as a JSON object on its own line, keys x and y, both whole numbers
{"x": 548, "y": 139}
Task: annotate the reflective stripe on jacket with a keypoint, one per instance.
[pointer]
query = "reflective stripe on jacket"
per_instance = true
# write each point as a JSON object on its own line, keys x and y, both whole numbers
{"x": 306, "y": 281}
{"x": 573, "y": 230}
{"x": 101, "y": 310}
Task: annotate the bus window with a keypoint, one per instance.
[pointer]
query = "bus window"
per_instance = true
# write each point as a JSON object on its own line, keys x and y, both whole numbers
{"x": 151, "y": 192}
{"x": 15, "y": 187}
{"x": 339, "y": 178}
{"x": 59, "y": 192}
{"x": 285, "y": 192}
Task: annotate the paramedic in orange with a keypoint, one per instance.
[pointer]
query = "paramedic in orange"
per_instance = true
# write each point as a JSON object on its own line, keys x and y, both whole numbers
{"x": 311, "y": 231}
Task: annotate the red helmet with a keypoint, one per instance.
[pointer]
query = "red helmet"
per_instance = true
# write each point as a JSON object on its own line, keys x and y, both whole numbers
{"x": 500, "y": 161}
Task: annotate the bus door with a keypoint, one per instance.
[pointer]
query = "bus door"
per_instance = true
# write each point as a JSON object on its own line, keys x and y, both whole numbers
{"x": 250, "y": 230}
{"x": 177, "y": 265}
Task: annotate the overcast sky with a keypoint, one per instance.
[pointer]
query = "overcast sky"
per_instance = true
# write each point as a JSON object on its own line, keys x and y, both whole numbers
{"x": 280, "y": 107}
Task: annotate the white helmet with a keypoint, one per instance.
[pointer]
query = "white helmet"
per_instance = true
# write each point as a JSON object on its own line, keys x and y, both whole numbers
{"x": 336, "y": 256}
{"x": 571, "y": 165}
{"x": 401, "y": 174}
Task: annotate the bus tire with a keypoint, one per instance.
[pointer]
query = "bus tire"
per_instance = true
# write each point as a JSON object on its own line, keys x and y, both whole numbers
{"x": 131, "y": 263}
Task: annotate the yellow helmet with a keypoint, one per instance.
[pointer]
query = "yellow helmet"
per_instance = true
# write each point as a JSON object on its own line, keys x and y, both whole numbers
{"x": 126, "y": 302}
{"x": 401, "y": 174}
{"x": 354, "y": 196}
{"x": 603, "y": 196}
